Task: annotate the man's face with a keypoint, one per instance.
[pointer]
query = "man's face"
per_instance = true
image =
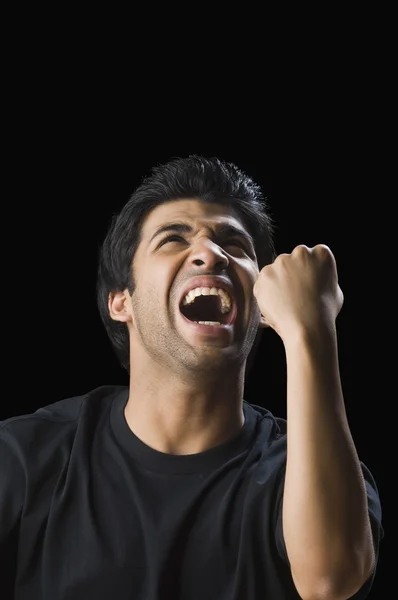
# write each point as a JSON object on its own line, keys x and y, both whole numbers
{"x": 195, "y": 262}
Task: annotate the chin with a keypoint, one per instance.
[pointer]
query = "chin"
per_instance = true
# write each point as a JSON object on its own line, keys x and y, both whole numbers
{"x": 216, "y": 360}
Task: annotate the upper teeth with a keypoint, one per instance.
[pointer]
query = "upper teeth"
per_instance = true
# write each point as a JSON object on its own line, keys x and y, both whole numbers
{"x": 206, "y": 291}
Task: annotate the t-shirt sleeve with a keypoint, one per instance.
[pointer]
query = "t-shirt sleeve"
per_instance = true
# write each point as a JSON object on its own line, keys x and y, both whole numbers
{"x": 12, "y": 493}
{"x": 279, "y": 539}
{"x": 375, "y": 516}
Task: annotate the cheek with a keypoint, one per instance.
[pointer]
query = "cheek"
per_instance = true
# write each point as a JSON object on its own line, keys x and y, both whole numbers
{"x": 248, "y": 274}
{"x": 153, "y": 288}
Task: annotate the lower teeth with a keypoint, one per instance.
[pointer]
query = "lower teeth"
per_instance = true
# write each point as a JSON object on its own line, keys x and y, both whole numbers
{"x": 208, "y": 322}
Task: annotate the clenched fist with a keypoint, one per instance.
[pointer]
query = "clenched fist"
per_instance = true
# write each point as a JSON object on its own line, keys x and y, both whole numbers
{"x": 299, "y": 290}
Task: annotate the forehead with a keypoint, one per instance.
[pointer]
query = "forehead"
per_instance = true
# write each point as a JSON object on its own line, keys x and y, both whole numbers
{"x": 192, "y": 211}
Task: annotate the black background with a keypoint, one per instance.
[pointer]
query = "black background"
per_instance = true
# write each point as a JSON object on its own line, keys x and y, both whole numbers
{"x": 79, "y": 142}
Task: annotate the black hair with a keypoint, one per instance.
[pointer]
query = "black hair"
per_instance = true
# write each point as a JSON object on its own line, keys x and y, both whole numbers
{"x": 207, "y": 179}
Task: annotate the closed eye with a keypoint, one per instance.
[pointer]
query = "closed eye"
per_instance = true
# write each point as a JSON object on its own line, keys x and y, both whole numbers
{"x": 235, "y": 243}
{"x": 172, "y": 238}
{"x": 230, "y": 242}
{"x": 238, "y": 243}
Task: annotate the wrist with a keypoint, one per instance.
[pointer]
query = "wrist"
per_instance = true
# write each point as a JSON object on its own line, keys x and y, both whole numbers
{"x": 319, "y": 333}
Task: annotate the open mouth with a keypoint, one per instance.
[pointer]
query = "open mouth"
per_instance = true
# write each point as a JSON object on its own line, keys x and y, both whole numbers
{"x": 208, "y": 306}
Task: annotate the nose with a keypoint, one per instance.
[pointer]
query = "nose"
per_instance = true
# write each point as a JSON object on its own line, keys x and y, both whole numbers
{"x": 206, "y": 252}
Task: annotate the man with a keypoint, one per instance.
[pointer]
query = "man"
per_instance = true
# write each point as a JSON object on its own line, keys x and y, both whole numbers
{"x": 175, "y": 487}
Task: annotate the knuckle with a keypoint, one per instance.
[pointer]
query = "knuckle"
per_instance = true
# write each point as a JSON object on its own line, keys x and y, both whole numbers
{"x": 281, "y": 257}
{"x": 322, "y": 250}
{"x": 301, "y": 249}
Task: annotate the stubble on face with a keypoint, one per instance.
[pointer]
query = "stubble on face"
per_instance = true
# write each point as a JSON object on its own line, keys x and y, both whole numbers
{"x": 164, "y": 344}
{"x": 158, "y": 334}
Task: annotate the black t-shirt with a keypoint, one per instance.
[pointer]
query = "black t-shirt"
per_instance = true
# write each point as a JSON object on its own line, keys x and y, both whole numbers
{"x": 87, "y": 510}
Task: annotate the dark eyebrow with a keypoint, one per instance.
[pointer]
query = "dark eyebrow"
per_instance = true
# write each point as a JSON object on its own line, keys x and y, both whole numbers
{"x": 176, "y": 227}
{"x": 222, "y": 230}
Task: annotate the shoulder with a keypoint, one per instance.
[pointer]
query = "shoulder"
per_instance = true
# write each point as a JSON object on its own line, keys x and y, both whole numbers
{"x": 271, "y": 427}
{"x": 269, "y": 449}
{"x": 374, "y": 506}
{"x": 34, "y": 448}
{"x": 25, "y": 435}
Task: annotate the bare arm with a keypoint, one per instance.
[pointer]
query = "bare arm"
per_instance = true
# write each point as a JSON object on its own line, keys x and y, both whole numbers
{"x": 325, "y": 517}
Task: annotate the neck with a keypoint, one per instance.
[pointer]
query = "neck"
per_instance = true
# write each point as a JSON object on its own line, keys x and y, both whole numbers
{"x": 175, "y": 415}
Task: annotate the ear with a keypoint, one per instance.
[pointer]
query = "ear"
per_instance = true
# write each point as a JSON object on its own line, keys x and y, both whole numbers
{"x": 119, "y": 305}
{"x": 263, "y": 323}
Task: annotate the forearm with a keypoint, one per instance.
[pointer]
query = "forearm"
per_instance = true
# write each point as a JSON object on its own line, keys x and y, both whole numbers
{"x": 325, "y": 518}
